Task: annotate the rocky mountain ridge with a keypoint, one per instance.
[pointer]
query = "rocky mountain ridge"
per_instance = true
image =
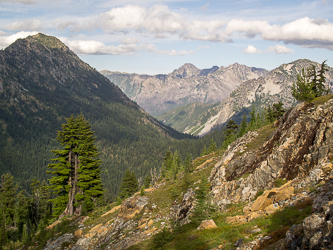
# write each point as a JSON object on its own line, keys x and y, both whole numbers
{"x": 188, "y": 84}
{"x": 274, "y": 87}
{"x": 282, "y": 167}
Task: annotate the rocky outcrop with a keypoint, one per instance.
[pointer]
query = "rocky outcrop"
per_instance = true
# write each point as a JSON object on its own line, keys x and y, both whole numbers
{"x": 207, "y": 224}
{"x": 181, "y": 212}
{"x": 300, "y": 149}
{"x": 316, "y": 231}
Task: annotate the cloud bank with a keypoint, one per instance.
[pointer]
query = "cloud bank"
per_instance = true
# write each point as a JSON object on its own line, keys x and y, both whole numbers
{"x": 7, "y": 40}
{"x": 160, "y": 21}
{"x": 277, "y": 49}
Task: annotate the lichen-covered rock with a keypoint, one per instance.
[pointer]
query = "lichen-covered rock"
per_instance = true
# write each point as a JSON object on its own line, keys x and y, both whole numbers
{"x": 58, "y": 244}
{"x": 316, "y": 230}
{"x": 206, "y": 224}
{"x": 182, "y": 211}
{"x": 132, "y": 206}
{"x": 299, "y": 150}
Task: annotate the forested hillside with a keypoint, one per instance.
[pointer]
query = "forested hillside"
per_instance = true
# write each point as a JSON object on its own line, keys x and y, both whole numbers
{"x": 42, "y": 82}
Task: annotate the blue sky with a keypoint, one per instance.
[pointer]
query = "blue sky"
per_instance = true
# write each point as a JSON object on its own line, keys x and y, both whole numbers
{"x": 152, "y": 37}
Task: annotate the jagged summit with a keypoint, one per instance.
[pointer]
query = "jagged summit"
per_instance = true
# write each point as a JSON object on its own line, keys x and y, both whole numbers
{"x": 186, "y": 71}
{"x": 188, "y": 84}
{"x": 50, "y": 42}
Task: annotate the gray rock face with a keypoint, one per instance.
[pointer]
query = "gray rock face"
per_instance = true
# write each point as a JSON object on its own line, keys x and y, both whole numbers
{"x": 316, "y": 231}
{"x": 299, "y": 149}
{"x": 181, "y": 212}
{"x": 273, "y": 87}
{"x": 188, "y": 84}
{"x": 58, "y": 243}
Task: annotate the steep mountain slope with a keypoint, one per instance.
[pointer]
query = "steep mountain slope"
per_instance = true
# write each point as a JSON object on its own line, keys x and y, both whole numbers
{"x": 188, "y": 84}
{"x": 41, "y": 83}
{"x": 273, "y": 188}
{"x": 180, "y": 117}
{"x": 274, "y": 87}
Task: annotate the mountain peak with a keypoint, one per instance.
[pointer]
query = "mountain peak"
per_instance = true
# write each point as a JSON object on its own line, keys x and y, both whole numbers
{"x": 50, "y": 42}
{"x": 186, "y": 71}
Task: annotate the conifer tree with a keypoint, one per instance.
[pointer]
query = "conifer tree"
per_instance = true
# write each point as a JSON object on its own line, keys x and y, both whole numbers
{"x": 212, "y": 147}
{"x": 167, "y": 164}
{"x": 278, "y": 110}
{"x": 253, "y": 121}
{"x": 243, "y": 125}
{"x": 188, "y": 164}
{"x": 230, "y": 133}
{"x": 204, "y": 151}
{"x": 8, "y": 191}
{"x": 76, "y": 176}
{"x": 309, "y": 84}
{"x": 203, "y": 208}
{"x": 147, "y": 181}
{"x": 129, "y": 185}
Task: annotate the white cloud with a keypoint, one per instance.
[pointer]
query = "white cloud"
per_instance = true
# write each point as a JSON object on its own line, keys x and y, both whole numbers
{"x": 304, "y": 31}
{"x": 152, "y": 48}
{"x": 277, "y": 49}
{"x": 99, "y": 48}
{"x": 19, "y": 1}
{"x": 26, "y": 25}
{"x": 280, "y": 49}
{"x": 202, "y": 47}
{"x": 251, "y": 50}
{"x": 7, "y": 40}
{"x": 130, "y": 40}
{"x": 158, "y": 21}
{"x": 204, "y": 8}
{"x": 2, "y": 33}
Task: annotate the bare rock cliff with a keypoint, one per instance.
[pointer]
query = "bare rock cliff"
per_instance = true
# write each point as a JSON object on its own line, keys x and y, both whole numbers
{"x": 298, "y": 150}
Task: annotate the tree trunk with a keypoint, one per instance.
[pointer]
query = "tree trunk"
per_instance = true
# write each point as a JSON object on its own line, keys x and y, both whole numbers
{"x": 71, "y": 193}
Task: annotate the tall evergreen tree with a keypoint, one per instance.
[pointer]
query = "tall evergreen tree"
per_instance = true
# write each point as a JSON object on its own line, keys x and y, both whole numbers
{"x": 188, "y": 164}
{"x": 212, "y": 146}
{"x": 253, "y": 121}
{"x": 243, "y": 125}
{"x": 129, "y": 185}
{"x": 8, "y": 191}
{"x": 278, "y": 110}
{"x": 76, "y": 176}
{"x": 309, "y": 84}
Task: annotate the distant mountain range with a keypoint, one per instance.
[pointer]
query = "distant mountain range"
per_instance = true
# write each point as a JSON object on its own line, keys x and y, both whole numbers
{"x": 160, "y": 93}
{"x": 273, "y": 87}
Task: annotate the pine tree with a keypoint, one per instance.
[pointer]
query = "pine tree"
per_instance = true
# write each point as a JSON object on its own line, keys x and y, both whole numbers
{"x": 147, "y": 181}
{"x": 167, "y": 164}
{"x": 188, "y": 164}
{"x": 212, "y": 147}
{"x": 23, "y": 210}
{"x": 7, "y": 197}
{"x": 231, "y": 128}
{"x": 322, "y": 79}
{"x": 203, "y": 208}
{"x": 309, "y": 84}
{"x": 278, "y": 110}
{"x": 270, "y": 115}
{"x": 204, "y": 151}
{"x": 230, "y": 133}
{"x": 243, "y": 125}
{"x": 129, "y": 185}
{"x": 76, "y": 174}
{"x": 253, "y": 121}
